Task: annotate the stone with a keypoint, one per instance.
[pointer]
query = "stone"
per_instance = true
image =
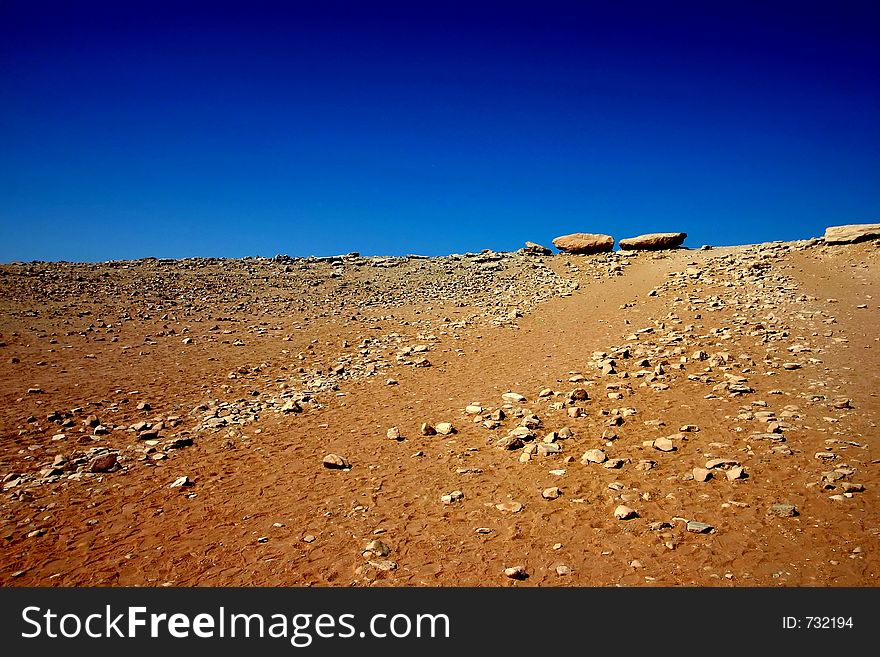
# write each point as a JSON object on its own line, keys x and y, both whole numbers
{"x": 513, "y": 397}
{"x": 531, "y": 248}
{"x": 377, "y": 548}
{"x": 784, "y": 510}
{"x": 623, "y": 512}
{"x": 551, "y": 493}
{"x": 593, "y": 456}
{"x": 427, "y": 430}
{"x": 699, "y": 527}
{"x": 711, "y": 464}
{"x": 473, "y": 409}
{"x": 454, "y": 496}
{"x": 652, "y": 241}
{"x": 510, "y": 442}
{"x": 309, "y": 538}
{"x": 562, "y": 571}
{"x": 702, "y": 474}
{"x": 181, "y": 482}
{"x": 546, "y": 449}
{"x": 103, "y": 463}
{"x": 579, "y": 394}
{"x": 850, "y": 233}
{"x": 336, "y": 462}
{"x": 516, "y": 572}
{"x": 291, "y": 406}
{"x": 179, "y": 443}
{"x": 664, "y": 445}
{"x": 393, "y": 434}
{"x": 445, "y": 428}
{"x": 584, "y": 243}
{"x": 735, "y": 473}
{"x": 510, "y": 507}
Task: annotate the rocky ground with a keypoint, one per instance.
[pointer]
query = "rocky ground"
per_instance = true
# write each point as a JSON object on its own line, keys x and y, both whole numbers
{"x": 681, "y": 417}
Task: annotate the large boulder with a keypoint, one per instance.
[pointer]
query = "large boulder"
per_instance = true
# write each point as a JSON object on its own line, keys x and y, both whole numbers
{"x": 653, "y": 241}
{"x": 851, "y": 233}
{"x": 584, "y": 243}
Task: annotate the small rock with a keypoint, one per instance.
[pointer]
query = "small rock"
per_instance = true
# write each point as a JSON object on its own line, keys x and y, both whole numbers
{"x": 664, "y": 445}
{"x": 181, "y": 482}
{"x": 702, "y": 474}
{"x": 516, "y": 572}
{"x": 377, "y": 548}
{"x": 699, "y": 527}
{"x": 594, "y": 456}
{"x": 784, "y": 510}
{"x": 720, "y": 463}
{"x": 445, "y": 428}
{"x": 334, "y": 461}
{"x": 623, "y": 512}
{"x": 551, "y": 493}
{"x": 510, "y": 507}
{"x": 393, "y": 434}
{"x": 103, "y": 463}
{"x": 735, "y": 473}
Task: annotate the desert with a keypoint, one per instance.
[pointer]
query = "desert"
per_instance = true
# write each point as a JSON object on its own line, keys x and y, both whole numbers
{"x": 647, "y": 417}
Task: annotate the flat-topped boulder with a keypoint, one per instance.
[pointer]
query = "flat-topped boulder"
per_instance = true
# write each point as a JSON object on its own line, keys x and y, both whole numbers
{"x": 851, "y": 233}
{"x": 584, "y": 243}
{"x": 653, "y": 241}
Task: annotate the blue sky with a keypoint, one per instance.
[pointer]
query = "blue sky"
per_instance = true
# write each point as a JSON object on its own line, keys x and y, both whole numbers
{"x": 182, "y": 129}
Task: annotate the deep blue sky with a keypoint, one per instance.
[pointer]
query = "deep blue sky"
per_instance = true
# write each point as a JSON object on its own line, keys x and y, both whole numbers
{"x": 176, "y": 129}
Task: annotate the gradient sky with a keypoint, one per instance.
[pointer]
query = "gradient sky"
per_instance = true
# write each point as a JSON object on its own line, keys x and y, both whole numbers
{"x": 175, "y": 129}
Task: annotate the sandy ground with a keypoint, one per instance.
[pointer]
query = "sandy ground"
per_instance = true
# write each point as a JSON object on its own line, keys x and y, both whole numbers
{"x": 765, "y": 357}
